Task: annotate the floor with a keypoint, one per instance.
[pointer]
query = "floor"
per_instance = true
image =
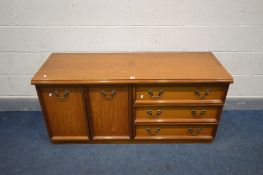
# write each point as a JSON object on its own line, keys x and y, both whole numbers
{"x": 25, "y": 149}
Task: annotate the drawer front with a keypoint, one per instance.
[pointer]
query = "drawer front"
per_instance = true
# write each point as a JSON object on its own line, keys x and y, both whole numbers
{"x": 180, "y": 92}
{"x": 175, "y": 132}
{"x": 177, "y": 114}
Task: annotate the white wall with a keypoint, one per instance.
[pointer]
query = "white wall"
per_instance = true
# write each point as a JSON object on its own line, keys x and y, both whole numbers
{"x": 31, "y": 29}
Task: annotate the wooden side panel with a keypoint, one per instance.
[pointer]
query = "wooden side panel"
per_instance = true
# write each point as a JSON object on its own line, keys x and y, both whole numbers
{"x": 109, "y": 112}
{"x": 65, "y": 113}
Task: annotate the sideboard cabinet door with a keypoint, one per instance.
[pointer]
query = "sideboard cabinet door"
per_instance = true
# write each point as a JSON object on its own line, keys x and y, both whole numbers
{"x": 65, "y": 113}
{"x": 109, "y": 111}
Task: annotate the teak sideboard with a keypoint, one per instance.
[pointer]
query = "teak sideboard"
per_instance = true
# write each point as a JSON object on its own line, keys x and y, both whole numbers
{"x": 132, "y": 97}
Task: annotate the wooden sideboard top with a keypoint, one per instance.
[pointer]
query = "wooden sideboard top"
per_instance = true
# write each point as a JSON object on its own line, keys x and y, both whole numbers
{"x": 162, "y": 67}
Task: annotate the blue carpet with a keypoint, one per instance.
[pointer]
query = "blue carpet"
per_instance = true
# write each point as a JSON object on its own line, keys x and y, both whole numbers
{"x": 25, "y": 149}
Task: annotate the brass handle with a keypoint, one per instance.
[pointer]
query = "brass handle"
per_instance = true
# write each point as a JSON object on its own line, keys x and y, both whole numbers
{"x": 202, "y": 95}
{"x": 108, "y": 94}
{"x": 155, "y": 132}
{"x": 160, "y": 93}
{"x": 200, "y": 114}
{"x": 61, "y": 96}
{"x": 194, "y": 131}
{"x": 150, "y": 113}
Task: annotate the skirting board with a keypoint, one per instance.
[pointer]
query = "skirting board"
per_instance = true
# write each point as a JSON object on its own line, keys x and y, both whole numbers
{"x": 32, "y": 104}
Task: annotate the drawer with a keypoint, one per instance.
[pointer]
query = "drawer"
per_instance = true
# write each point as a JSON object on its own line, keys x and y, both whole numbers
{"x": 180, "y": 92}
{"x": 175, "y": 132}
{"x": 177, "y": 114}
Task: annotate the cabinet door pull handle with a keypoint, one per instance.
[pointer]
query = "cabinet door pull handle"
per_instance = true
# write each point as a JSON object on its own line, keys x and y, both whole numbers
{"x": 194, "y": 131}
{"x": 198, "y": 115}
{"x": 202, "y": 95}
{"x": 155, "y": 132}
{"x": 61, "y": 96}
{"x": 150, "y": 113}
{"x": 108, "y": 94}
{"x": 160, "y": 93}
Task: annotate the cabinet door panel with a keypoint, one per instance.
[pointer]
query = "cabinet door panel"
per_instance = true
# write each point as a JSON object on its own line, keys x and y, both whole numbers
{"x": 65, "y": 113}
{"x": 109, "y": 110}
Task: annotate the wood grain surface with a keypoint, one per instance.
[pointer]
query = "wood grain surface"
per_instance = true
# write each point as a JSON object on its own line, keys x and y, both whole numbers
{"x": 174, "y": 132}
{"x": 66, "y": 118}
{"x": 90, "y": 68}
{"x": 109, "y": 115}
{"x": 181, "y": 92}
{"x": 179, "y": 114}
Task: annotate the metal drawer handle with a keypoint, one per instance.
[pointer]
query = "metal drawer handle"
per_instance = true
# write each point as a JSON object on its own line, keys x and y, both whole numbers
{"x": 61, "y": 96}
{"x": 198, "y": 115}
{"x": 155, "y": 132}
{"x": 194, "y": 131}
{"x": 108, "y": 94}
{"x": 202, "y": 95}
{"x": 150, "y": 113}
{"x": 160, "y": 93}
